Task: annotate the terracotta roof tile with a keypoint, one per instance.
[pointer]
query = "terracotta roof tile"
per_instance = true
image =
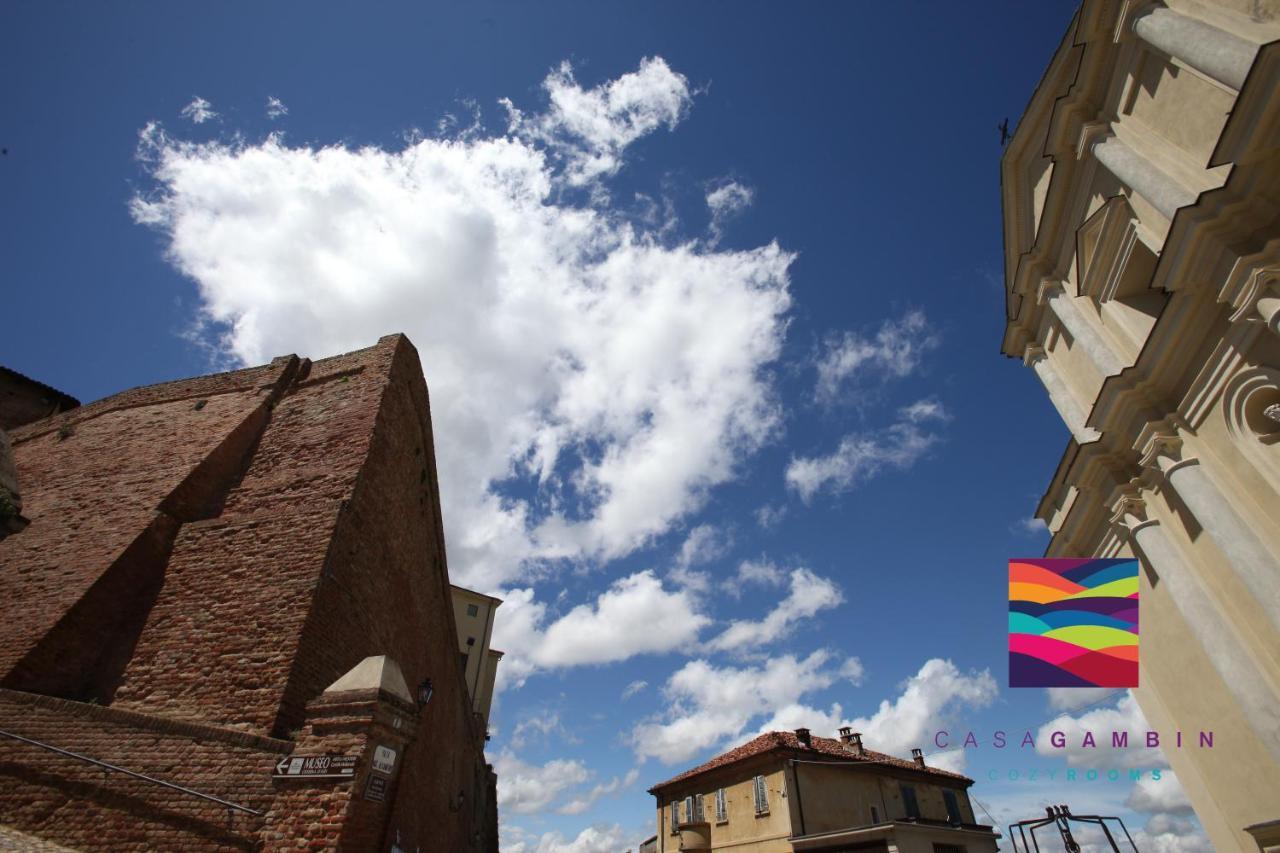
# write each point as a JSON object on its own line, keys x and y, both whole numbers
{"x": 822, "y": 748}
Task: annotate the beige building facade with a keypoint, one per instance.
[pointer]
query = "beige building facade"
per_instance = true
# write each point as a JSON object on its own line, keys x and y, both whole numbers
{"x": 791, "y": 791}
{"x": 473, "y": 613}
{"x": 1141, "y": 197}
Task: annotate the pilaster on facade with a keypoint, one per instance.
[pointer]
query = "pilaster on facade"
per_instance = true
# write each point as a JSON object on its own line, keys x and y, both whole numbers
{"x": 1099, "y": 351}
{"x": 1216, "y": 53}
{"x": 1217, "y": 635}
{"x": 1248, "y": 557}
{"x": 1069, "y": 408}
{"x": 1164, "y": 192}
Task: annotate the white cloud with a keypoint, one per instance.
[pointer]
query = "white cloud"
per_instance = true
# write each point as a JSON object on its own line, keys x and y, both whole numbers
{"x": 852, "y": 671}
{"x": 636, "y": 615}
{"x": 276, "y": 108}
{"x": 198, "y": 111}
{"x": 894, "y": 352}
{"x": 591, "y": 128}
{"x": 809, "y": 595}
{"x": 1162, "y": 834}
{"x": 1028, "y": 525}
{"x": 593, "y": 839}
{"x": 634, "y": 687}
{"x": 929, "y": 697}
{"x": 954, "y": 760}
{"x": 710, "y": 705}
{"x": 1169, "y": 842}
{"x": 1165, "y": 833}
{"x": 1125, "y": 716}
{"x": 703, "y": 544}
{"x": 725, "y": 202}
{"x": 761, "y": 572}
{"x": 541, "y": 726}
{"x": 1164, "y": 796}
{"x": 569, "y": 350}
{"x": 529, "y": 788}
{"x": 926, "y": 701}
{"x": 692, "y": 580}
{"x": 769, "y": 516}
{"x": 614, "y": 786}
{"x": 1078, "y": 698}
{"x": 714, "y": 706}
{"x": 861, "y": 457}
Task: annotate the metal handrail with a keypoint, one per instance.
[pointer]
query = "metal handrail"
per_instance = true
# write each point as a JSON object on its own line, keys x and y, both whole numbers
{"x": 141, "y": 776}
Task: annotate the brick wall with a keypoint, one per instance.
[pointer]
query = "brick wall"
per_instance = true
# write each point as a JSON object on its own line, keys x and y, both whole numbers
{"x": 23, "y": 400}
{"x": 219, "y": 551}
{"x": 95, "y": 480}
{"x": 83, "y": 806}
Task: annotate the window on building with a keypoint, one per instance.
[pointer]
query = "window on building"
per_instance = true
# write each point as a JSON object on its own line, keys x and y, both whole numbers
{"x": 722, "y": 806}
{"x": 688, "y": 810}
{"x": 953, "y": 807}
{"x": 909, "y": 803}
{"x": 875, "y": 815}
{"x": 472, "y": 610}
{"x": 675, "y": 817}
{"x": 762, "y": 795}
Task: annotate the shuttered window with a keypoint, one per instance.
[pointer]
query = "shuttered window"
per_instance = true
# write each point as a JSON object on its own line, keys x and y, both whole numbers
{"x": 762, "y": 796}
{"x": 722, "y": 806}
{"x": 909, "y": 803}
{"x": 675, "y": 817}
{"x": 953, "y": 807}
{"x": 698, "y": 814}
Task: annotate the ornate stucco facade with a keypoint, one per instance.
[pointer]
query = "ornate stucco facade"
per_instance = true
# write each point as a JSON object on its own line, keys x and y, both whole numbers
{"x": 1141, "y": 199}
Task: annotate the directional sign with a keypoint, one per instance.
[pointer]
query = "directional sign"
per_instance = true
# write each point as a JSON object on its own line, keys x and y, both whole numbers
{"x": 316, "y": 767}
{"x": 384, "y": 759}
{"x": 376, "y": 789}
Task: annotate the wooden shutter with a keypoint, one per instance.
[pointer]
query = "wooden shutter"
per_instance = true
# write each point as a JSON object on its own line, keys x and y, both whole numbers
{"x": 722, "y": 810}
{"x": 762, "y": 796}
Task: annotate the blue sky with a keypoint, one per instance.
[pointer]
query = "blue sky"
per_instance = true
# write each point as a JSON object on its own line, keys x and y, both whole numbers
{"x": 709, "y": 300}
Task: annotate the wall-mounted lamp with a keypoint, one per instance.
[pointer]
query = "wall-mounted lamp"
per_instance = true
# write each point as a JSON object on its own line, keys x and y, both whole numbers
{"x": 425, "y": 689}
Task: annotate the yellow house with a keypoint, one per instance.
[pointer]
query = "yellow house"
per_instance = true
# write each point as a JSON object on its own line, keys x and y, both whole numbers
{"x": 791, "y": 791}
{"x": 473, "y": 614}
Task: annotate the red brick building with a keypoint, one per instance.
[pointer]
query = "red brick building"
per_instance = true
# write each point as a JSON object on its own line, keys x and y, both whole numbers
{"x": 209, "y": 568}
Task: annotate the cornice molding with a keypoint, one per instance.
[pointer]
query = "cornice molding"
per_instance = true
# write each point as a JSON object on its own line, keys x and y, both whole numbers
{"x": 1226, "y": 360}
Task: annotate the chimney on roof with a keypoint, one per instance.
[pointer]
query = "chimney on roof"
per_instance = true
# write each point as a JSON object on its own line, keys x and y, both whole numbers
{"x": 802, "y": 735}
{"x": 852, "y": 741}
{"x": 918, "y": 756}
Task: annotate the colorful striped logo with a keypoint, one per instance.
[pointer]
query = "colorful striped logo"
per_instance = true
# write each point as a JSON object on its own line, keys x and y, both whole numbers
{"x": 1073, "y": 623}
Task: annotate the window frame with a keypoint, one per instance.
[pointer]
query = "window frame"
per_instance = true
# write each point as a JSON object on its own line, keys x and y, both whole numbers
{"x": 950, "y": 801}
{"x": 761, "y": 790}
{"x": 910, "y": 802}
